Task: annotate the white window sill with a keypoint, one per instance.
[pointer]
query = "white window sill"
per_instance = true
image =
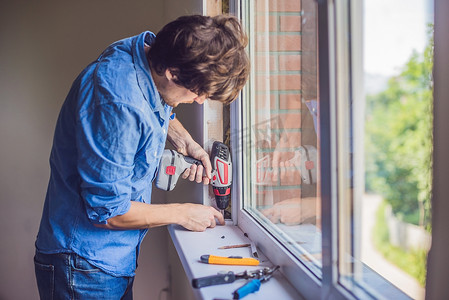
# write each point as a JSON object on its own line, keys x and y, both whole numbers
{"x": 191, "y": 245}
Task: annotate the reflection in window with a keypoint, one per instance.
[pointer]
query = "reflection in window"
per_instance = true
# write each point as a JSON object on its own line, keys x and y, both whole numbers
{"x": 281, "y": 119}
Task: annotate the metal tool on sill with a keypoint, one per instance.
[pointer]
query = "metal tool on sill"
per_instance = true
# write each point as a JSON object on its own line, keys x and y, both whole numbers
{"x": 254, "y": 284}
{"x": 229, "y": 277}
{"x": 252, "y": 245}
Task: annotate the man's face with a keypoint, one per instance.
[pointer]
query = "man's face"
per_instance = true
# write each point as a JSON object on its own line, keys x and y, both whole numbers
{"x": 176, "y": 94}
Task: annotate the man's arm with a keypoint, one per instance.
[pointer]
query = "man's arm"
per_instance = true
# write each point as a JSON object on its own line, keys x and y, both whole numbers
{"x": 180, "y": 138}
{"x": 195, "y": 217}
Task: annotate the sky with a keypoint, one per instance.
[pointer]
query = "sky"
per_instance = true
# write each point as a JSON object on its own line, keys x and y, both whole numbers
{"x": 392, "y": 29}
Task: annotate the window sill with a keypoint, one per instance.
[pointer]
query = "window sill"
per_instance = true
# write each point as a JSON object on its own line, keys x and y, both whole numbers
{"x": 191, "y": 245}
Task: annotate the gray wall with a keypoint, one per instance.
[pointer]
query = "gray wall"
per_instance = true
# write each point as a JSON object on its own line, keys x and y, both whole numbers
{"x": 43, "y": 46}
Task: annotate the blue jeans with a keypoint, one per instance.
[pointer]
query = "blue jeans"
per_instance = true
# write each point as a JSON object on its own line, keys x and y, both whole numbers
{"x": 69, "y": 276}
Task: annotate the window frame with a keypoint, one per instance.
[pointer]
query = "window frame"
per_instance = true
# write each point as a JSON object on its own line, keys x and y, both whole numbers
{"x": 438, "y": 264}
{"x": 306, "y": 282}
{"x": 332, "y": 69}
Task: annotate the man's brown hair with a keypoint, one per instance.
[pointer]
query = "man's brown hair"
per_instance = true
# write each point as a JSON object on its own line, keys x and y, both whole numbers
{"x": 205, "y": 54}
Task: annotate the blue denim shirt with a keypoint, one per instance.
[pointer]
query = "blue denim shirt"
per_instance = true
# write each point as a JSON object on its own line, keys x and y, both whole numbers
{"x": 108, "y": 141}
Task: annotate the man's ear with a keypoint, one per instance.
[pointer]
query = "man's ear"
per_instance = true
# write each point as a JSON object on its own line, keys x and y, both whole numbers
{"x": 169, "y": 75}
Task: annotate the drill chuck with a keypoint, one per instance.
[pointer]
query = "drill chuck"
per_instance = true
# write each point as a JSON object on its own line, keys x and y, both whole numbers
{"x": 222, "y": 196}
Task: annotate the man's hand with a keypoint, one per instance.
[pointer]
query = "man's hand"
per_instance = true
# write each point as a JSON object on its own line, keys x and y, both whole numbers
{"x": 292, "y": 211}
{"x": 197, "y": 217}
{"x": 184, "y": 144}
{"x": 195, "y": 173}
{"x": 280, "y": 163}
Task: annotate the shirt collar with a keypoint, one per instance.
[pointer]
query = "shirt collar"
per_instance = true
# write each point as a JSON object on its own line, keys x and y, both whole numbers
{"x": 144, "y": 77}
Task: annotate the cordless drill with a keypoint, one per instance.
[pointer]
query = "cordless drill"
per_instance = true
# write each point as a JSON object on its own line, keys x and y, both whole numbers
{"x": 173, "y": 164}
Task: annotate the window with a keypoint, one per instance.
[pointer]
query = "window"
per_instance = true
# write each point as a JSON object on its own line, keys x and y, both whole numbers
{"x": 275, "y": 138}
{"x": 280, "y": 120}
{"x": 384, "y": 143}
{"x": 303, "y": 139}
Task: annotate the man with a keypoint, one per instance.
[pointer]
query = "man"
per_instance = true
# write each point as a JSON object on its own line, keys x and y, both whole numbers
{"x": 108, "y": 141}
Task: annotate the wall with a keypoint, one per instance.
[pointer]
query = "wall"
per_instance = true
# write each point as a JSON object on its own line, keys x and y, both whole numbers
{"x": 43, "y": 46}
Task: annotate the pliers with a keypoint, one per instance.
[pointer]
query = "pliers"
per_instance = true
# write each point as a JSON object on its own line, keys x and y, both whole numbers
{"x": 257, "y": 277}
{"x": 254, "y": 284}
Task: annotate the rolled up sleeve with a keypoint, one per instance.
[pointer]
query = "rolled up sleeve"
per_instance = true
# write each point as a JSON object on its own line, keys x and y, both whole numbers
{"x": 107, "y": 141}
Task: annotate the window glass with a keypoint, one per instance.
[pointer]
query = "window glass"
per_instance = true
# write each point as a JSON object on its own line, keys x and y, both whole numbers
{"x": 384, "y": 140}
{"x": 281, "y": 123}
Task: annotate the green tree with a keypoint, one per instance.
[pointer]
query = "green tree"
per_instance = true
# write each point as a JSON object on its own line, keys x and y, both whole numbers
{"x": 398, "y": 142}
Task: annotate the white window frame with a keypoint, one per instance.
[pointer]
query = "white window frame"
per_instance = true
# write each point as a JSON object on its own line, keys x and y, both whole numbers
{"x": 298, "y": 274}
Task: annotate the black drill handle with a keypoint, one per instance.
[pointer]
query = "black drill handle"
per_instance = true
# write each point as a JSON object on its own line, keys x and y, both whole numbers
{"x": 192, "y": 161}
{"x": 213, "y": 280}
